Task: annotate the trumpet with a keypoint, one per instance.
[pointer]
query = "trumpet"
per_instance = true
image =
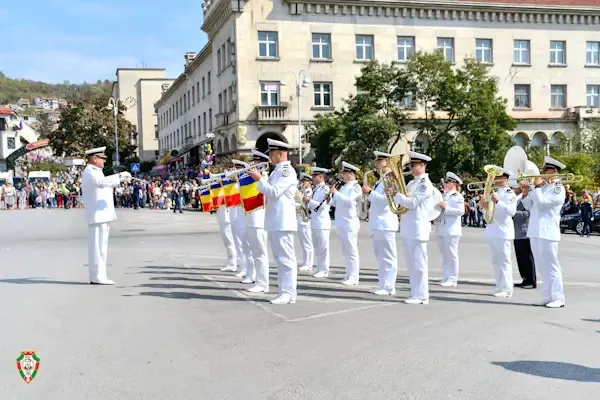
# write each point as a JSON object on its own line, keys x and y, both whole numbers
{"x": 238, "y": 172}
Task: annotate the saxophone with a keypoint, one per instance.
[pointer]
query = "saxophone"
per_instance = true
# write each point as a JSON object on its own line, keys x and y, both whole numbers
{"x": 395, "y": 180}
{"x": 302, "y": 207}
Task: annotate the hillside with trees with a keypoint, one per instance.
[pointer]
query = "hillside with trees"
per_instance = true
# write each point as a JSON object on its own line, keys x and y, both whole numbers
{"x": 12, "y": 90}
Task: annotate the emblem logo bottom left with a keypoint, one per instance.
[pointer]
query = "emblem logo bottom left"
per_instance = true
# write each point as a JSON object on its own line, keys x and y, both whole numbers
{"x": 28, "y": 364}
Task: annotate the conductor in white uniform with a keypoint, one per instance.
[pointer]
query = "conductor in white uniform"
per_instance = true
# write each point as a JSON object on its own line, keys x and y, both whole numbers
{"x": 280, "y": 217}
{"x": 415, "y": 227}
{"x": 99, "y": 211}
{"x": 384, "y": 225}
{"x": 501, "y": 232}
{"x": 346, "y": 219}
{"x": 448, "y": 228}
{"x": 320, "y": 221}
{"x": 545, "y": 200}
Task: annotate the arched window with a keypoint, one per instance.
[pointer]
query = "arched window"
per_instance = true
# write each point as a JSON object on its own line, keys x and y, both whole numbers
{"x": 539, "y": 139}
{"x": 520, "y": 139}
{"x": 421, "y": 143}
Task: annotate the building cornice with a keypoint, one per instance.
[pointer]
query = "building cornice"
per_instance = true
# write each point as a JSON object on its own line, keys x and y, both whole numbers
{"x": 452, "y": 10}
{"x": 216, "y": 13}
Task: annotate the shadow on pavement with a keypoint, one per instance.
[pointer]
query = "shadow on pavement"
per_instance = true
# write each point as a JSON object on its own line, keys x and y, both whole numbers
{"x": 187, "y": 296}
{"x": 37, "y": 281}
{"x": 590, "y": 320}
{"x": 553, "y": 370}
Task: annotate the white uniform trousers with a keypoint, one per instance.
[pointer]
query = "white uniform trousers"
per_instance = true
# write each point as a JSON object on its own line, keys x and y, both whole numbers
{"x": 282, "y": 246}
{"x": 502, "y": 263}
{"x": 257, "y": 237}
{"x": 97, "y": 251}
{"x": 227, "y": 236}
{"x": 384, "y": 245}
{"x": 320, "y": 239}
{"x": 415, "y": 255}
{"x": 306, "y": 244}
{"x": 349, "y": 242}
{"x": 545, "y": 254}
{"x": 242, "y": 248}
{"x": 448, "y": 246}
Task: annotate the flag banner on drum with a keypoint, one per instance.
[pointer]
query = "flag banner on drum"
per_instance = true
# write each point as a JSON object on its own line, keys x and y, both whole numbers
{"x": 232, "y": 193}
{"x": 206, "y": 200}
{"x": 218, "y": 195}
{"x": 252, "y": 199}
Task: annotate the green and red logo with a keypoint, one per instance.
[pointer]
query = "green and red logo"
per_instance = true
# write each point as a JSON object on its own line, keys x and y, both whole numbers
{"x": 28, "y": 364}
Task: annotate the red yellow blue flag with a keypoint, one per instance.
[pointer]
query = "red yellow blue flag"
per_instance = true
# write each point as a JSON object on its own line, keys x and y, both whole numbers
{"x": 206, "y": 199}
{"x": 252, "y": 199}
{"x": 218, "y": 195}
{"x": 232, "y": 193}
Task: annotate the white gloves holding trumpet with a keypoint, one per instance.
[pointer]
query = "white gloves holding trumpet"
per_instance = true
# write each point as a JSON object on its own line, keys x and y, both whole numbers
{"x": 125, "y": 176}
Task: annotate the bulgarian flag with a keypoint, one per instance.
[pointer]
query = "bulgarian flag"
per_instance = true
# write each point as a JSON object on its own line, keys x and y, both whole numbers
{"x": 232, "y": 193}
{"x": 252, "y": 199}
{"x": 218, "y": 195}
{"x": 206, "y": 199}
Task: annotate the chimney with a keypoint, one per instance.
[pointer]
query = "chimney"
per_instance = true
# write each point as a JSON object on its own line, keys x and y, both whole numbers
{"x": 189, "y": 57}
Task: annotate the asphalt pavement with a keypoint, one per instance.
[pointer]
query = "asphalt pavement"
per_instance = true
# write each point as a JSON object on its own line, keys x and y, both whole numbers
{"x": 175, "y": 327}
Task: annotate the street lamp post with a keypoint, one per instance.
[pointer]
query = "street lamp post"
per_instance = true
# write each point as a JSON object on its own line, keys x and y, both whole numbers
{"x": 113, "y": 104}
{"x": 301, "y": 82}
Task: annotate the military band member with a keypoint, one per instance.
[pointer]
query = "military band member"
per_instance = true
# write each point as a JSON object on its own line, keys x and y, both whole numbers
{"x": 415, "y": 227}
{"x": 257, "y": 236}
{"x": 99, "y": 211}
{"x": 320, "y": 221}
{"x": 522, "y": 244}
{"x": 240, "y": 238}
{"x": 545, "y": 199}
{"x": 224, "y": 220}
{"x": 346, "y": 219}
{"x": 304, "y": 232}
{"x": 448, "y": 228}
{"x": 501, "y": 232}
{"x": 384, "y": 225}
{"x": 280, "y": 217}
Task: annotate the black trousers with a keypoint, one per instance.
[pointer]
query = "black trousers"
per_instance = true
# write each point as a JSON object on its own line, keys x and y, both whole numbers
{"x": 525, "y": 261}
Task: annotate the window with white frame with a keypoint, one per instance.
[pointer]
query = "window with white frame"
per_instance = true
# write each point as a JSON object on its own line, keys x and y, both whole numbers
{"x": 483, "y": 51}
{"x": 406, "y": 47}
{"x": 592, "y": 53}
{"x": 189, "y": 100}
{"x": 184, "y": 103}
{"x": 408, "y": 101}
{"x": 198, "y": 91}
{"x": 219, "y": 66}
{"x": 558, "y": 52}
{"x": 269, "y": 94}
{"x": 321, "y": 44}
{"x": 203, "y": 87}
{"x": 193, "y": 95}
{"x": 195, "y": 133}
{"x": 228, "y": 51}
{"x": 223, "y": 57}
{"x": 220, "y": 103}
{"x": 364, "y": 47}
{"x": 204, "y": 122}
{"x": 521, "y": 52}
{"x": 210, "y": 121}
{"x": 447, "y": 47}
{"x": 267, "y": 44}
{"x": 593, "y": 95}
{"x": 522, "y": 96}
{"x": 558, "y": 96}
{"x": 322, "y": 94}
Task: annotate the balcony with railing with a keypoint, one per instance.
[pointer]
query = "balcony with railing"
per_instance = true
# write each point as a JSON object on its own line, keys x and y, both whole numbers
{"x": 278, "y": 114}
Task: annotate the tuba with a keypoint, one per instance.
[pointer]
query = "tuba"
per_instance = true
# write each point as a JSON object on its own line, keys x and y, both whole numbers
{"x": 395, "y": 180}
{"x": 363, "y": 204}
{"x": 489, "y": 210}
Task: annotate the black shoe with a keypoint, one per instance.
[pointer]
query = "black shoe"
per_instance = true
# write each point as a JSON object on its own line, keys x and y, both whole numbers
{"x": 518, "y": 284}
{"x": 528, "y": 286}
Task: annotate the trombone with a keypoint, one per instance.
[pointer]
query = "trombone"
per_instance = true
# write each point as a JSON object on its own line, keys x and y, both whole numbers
{"x": 567, "y": 178}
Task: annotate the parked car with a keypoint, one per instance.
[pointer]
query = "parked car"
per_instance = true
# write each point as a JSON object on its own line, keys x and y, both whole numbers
{"x": 573, "y": 222}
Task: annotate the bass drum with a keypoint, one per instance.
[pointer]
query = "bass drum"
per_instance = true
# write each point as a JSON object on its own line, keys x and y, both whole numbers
{"x": 435, "y": 209}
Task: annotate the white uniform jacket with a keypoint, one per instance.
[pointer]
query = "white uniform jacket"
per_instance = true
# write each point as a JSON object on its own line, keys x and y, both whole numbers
{"x": 503, "y": 227}
{"x": 319, "y": 207}
{"x": 97, "y": 192}
{"x": 304, "y": 192}
{"x": 345, "y": 203}
{"x": 415, "y": 223}
{"x": 545, "y": 204}
{"x": 223, "y": 215}
{"x": 280, "y": 190}
{"x": 449, "y": 223}
{"x": 380, "y": 216}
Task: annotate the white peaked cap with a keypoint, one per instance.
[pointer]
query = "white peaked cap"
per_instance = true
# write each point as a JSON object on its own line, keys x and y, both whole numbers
{"x": 551, "y": 162}
{"x": 257, "y": 153}
{"x": 238, "y": 162}
{"x": 318, "y": 170}
{"x": 304, "y": 175}
{"x": 454, "y": 177}
{"x": 418, "y": 157}
{"x": 99, "y": 151}
{"x": 278, "y": 145}
{"x": 506, "y": 172}
{"x": 349, "y": 167}
{"x": 381, "y": 154}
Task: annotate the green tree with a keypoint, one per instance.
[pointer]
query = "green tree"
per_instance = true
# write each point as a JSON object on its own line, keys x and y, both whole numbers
{"x": 328, "y": 138}
{"x": 88, "y": 125}
{"x": 45, "y": 125}
{"x": 53, "y": 167}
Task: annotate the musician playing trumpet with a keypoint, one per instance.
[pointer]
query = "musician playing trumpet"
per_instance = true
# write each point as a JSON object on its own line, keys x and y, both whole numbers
{"x": 320, "y": 221}
{"x": 500, "y": 232}
{"x": 304, "y": 233}
{"x": 384, "y": 225}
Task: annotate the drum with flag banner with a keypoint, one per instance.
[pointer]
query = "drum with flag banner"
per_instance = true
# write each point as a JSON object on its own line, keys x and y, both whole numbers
{"x": 252, "y": 199}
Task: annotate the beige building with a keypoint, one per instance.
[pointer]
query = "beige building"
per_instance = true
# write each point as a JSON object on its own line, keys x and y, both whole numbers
{"x": 138, "y": 89}
{"x": 242, "y": 86}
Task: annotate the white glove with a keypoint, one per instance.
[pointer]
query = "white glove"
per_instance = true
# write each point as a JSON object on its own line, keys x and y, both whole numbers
{"x": 125, "y": 176}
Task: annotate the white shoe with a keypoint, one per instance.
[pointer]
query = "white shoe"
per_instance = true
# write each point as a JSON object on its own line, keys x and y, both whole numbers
{"x": 414, "y": 300}
{"x": 502, "y": 293}
{"x": 321, "y": 274}
{"x": 102, "y": 282}
{"x": 542, "y": 303}
{"x": 556, "y": 304}
{"x": 350, "y": 282}
{"x": 228, "y": 268}
{"x": 448, "y": 284}
{"x": 305, "y": 268}
{"x": 247, "y": 280}
{"x": 258, "y": 289}
{"x": 241, "y": 274}
{"x": 283, "y": 299}
{"x": 384, "y": 292}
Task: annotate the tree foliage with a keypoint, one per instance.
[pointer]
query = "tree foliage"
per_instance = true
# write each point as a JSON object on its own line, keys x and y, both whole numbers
{"x": 45, "y": 126}
{"x": 85, "y": 126}
{"x": 458, "y": 109}
{"x": 53, "y": 167}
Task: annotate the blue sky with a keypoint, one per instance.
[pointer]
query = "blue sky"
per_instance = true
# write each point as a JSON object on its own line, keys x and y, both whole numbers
{"x": 87, "y": 40}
